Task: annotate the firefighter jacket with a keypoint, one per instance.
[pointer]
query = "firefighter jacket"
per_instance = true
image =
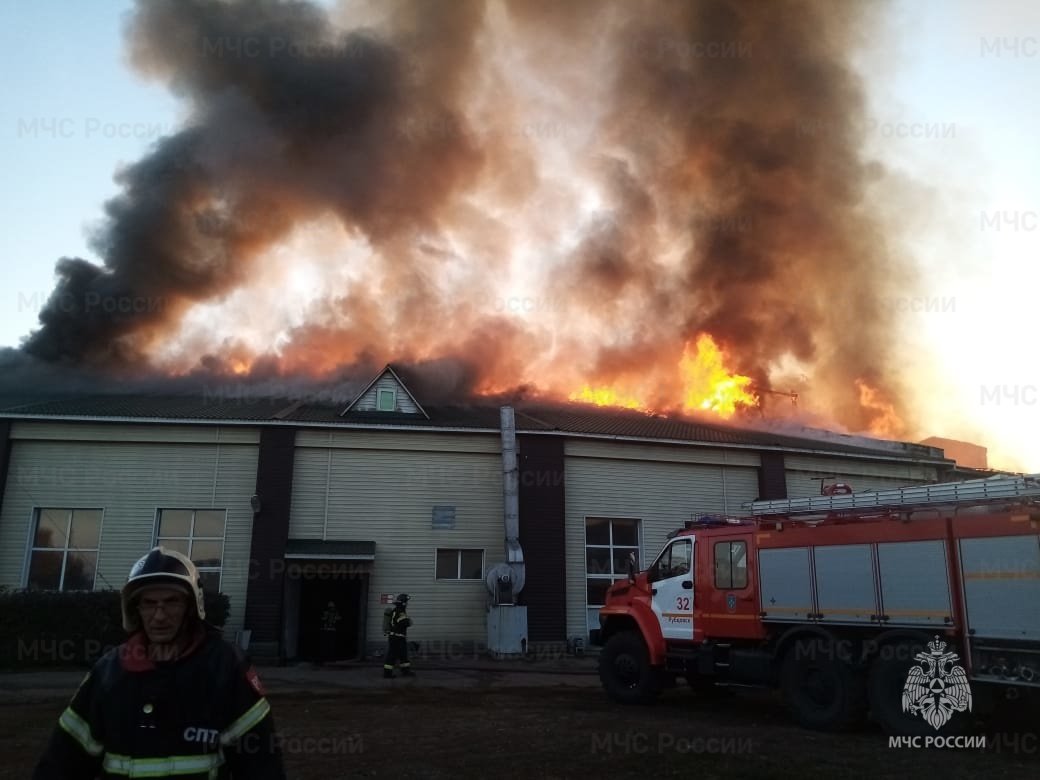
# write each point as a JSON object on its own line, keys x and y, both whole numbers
{"x": 399, "y": 622}
{"x": 203, "y": 715}
{"x": 329, "y": 618}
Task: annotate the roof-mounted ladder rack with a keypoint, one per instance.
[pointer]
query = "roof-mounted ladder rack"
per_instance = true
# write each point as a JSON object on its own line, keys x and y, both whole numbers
{"x": 972, "y": 491}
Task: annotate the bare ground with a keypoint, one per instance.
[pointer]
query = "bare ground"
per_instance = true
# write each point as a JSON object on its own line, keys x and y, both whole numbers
{"x": 408, "y": 730}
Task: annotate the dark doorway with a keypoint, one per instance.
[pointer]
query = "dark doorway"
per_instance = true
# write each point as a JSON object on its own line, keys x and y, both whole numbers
{"x": 347, "y": 594}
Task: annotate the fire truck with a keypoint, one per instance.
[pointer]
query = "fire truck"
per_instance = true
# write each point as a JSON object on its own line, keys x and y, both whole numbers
{"x": 897, "y": 603}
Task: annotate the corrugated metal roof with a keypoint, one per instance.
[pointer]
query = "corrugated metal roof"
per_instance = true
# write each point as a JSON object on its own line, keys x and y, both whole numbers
{"x": 180, "y": 407}
{"x": 620, "y": 422}
{"x": 596, "y": 421}
{"x": 572, "y": 418}
{"x": 439, "y": 416}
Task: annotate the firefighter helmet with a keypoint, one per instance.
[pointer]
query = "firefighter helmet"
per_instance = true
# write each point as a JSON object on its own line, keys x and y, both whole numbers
{"x": 402, "y": 599}
{"x": 166, "y": 568}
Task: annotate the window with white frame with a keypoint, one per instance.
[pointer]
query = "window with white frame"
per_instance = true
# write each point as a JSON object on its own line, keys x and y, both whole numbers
{"x": 64, "y": 549}
{"x": 460, "y": 564}
{"x": 386, "y": 400}
{"x": 608, "y": 543}
{"x": 198, "y": 534}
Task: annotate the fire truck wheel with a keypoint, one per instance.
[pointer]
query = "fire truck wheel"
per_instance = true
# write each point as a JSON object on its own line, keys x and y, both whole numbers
{"x": 625, "y": 671}
{"x": 821, "y": 693}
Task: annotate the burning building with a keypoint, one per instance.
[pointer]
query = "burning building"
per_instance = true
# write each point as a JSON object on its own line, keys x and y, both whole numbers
{"x": 653, "y": 206}
{"x": 287, "y": 504}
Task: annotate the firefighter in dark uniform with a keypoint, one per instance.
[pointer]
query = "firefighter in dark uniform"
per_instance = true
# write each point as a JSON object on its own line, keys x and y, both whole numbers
{"x": 174, "y": 700}
{"x": 330, "y": 619}
{"x": 397, "y": 639}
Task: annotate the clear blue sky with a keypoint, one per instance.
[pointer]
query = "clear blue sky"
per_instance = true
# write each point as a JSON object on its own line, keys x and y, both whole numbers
{"x": 954, "y": 92}
{"x": 72, "y": 112}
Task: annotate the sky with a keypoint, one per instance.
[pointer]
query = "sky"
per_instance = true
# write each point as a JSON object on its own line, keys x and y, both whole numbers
{"x": 952, "y": 94}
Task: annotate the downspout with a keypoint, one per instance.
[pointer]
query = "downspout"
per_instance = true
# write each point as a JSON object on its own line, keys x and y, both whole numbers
{"x": 511, "y": 495}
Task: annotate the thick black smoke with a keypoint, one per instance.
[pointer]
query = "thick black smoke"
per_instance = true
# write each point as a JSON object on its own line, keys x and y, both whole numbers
{"x": 736, "y": 198}
{"x": 290, "y": 119}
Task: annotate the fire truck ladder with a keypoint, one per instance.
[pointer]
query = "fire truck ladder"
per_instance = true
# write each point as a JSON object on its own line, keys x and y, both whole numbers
{"x": 968, "y": 492}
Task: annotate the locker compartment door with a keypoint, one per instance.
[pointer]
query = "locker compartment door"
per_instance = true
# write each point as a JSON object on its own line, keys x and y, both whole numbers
{"x": 786, "y": 585}
{"x": 845, "y": 583}
{"x": 915, "y": 583}
{"x": 1002, "y": 586}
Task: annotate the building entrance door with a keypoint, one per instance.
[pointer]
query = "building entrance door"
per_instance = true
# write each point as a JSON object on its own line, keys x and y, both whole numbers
{"x": 330, "y": 615}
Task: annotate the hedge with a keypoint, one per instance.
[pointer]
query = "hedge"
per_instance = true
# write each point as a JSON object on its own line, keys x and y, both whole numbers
{"x": 49, "y": 628}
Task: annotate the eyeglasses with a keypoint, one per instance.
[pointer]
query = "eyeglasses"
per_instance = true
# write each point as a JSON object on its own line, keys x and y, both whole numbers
{"x": 171, "y": 607}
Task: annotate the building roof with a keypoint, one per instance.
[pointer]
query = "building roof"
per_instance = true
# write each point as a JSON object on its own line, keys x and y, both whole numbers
{"x": 575, "y": 419}
{"x": 194, "y": 408}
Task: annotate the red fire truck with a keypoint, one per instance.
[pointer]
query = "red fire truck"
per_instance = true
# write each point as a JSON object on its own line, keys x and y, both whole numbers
{"x": 916, "y": 604}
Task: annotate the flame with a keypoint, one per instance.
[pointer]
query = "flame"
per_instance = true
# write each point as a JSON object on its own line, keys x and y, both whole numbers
{"x": 607, "y": 396}
{"x": 886, "y": 422}
{"x": 708, "y": 385}
{"x": 702, "y": 375}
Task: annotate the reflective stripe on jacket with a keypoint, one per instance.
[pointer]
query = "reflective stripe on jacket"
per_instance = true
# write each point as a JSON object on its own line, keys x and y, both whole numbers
{"x": 203, "y": 716}
{"x": 399, "y": 622}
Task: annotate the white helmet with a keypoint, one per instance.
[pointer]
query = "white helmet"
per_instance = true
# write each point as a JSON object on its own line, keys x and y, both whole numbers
{"x": 161, "y": 567}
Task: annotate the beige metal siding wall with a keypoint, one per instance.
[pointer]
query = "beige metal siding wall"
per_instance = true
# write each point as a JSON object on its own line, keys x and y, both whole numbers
{"x": 382, "y": 487}
{"x": 141, "y": 469}
{"x": 308, "y": 508}
{"x": 860, "y": 474}
{"x": 128, "y": 432}
{"x": 662, "y": 486}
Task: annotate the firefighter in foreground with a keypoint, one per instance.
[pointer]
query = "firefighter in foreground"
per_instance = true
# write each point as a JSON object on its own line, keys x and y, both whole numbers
{"x": 397, "y": 639}
{"x": 174, "y": 700}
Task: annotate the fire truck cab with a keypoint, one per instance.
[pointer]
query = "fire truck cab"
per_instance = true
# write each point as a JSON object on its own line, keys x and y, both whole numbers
{"x": 836, "y": 598}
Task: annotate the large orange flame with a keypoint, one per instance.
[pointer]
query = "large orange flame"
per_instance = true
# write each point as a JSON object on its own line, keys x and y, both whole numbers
{"x": 607, "y": 396}
{"x": 885, "y": 422}
{"x": 705, "y": 382}
{"x": 707, "y": 385}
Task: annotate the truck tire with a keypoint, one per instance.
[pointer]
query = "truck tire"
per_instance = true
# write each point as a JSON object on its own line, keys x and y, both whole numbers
{"x": 625, "y": 671}
{"x": 888, "y": 674}
{"x": 822, "y": 693}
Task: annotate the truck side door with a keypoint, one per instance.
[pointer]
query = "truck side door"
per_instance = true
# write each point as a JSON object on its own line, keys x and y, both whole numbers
{"x": 671, "y": 582}
{"x": 728, "y": 604}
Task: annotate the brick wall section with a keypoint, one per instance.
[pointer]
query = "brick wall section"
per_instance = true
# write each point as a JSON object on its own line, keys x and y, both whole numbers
{"x": 542, "y": 505}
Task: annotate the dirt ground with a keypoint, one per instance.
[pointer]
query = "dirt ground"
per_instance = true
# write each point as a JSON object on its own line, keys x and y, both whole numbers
{"x": 555, "y": 731}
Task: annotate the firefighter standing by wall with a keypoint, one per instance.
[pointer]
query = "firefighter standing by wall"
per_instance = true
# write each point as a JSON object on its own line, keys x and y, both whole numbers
{"x": 174, "y": 700}
{"x": 397, "y": 639}
{"x": 330, "y": 619}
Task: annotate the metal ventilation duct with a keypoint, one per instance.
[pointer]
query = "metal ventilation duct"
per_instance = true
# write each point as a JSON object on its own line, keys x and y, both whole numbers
{"x": 511, "y": 495}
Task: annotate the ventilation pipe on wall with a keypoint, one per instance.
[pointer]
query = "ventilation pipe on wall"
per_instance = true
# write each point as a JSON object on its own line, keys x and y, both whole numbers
{"x": 511, "y": 492}
{"x": 507, "y": 622}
